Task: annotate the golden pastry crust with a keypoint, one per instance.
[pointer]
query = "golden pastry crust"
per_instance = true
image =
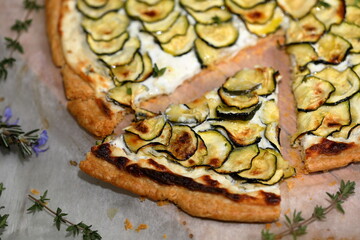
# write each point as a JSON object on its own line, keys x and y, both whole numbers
{"x": 255, "y": 208}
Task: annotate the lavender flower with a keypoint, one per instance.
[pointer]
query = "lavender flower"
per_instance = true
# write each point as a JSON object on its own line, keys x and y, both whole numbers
{"x": 7, "y": 116}
{"x": 41, "y": 142}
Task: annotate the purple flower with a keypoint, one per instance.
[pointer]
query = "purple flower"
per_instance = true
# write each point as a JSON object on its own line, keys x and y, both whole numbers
{"x": 7, "y": 115}
{"x": 40, "y": 143}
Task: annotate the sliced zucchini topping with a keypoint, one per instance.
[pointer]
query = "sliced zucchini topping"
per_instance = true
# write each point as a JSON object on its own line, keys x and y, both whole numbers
{"x": 108, "y": 27}
{"x": 297, "y": 8}
{"x": 95, "y": 13}
{"x": 234, "y": 113}
{"x": 179, "y": 27}
{"x": 272, "y": 133}
{"x": 307, "y": 29}
{"x": 332, "y": 48}
{"x": 218, "y": 148}
{"x": 180, "y": 45}
{"x": 240, "y": 132}
{"x": 198, "y": 158}
{"x": 107, "y": 47}
{"x": 124, "y": 56}
{"x": 210, "y": 16}
{"x": 125, "y": 94}
{"x": 239, "y": 101}
{"x": 201, "y": 5}
{"x": 96, "y": 3}
{"x": 263, "y": 167}
{"x": 206, "y": 54}
{"x": 162, "y": 25}
{"x": 303, "y": 53}
{"x": 149, "y": 13}
{"x": 278, "y": 175}
{"x": 330, "y": 12}
{"x": 218, "y": 35}
{"x": 346, "y": 83}
{"x": 312, "y": 92}
{"x": 271, "y": 26}
{"x": 350, "y": 32}
{"x": 270, "y": 112}
{"x": 130, "y": 71}
{"x": 148, "y": 68}
{"x": 247, "y": 3}
{"x": 149, "y": 2}
{"x": 183, "y": 114}
{"x": 353, "y": 15}
{"x": 147, "y": 129}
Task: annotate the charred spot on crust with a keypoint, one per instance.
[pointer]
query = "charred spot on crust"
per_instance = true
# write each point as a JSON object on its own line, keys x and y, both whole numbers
{"x": 103, "y": 107}
{"x": 209, "y": 181}
{"x": 271, "y": 198}
{"x": 327, "y": 147}
{"x": 103, "y": 151}
{"x": 157, "y": 165}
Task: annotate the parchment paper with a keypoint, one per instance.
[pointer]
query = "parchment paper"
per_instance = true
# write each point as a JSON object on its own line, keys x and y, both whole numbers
{"x": 34, "y": 91}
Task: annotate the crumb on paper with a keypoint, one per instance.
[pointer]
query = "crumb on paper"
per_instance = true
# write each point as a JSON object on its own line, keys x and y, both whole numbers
{"x": 184, "y": 223}
{"x": 2, "y": 99}
{"x": 35, "y": 191}
{"x": 164, "y": 236}
{"x": 332, "y": 183}
{"x": 267, "y": 226}
{"x": 290, "y": 184}
{"x": 191, "y": 235}
{"x": 162, "y": 203}
{"x": 127, "y": 224}
{"x": 111, "y": 212}
{"x": 141, "y": 227}
{"x": 73, "y": 163}
{"x": 278, "y": 224}
{"x": 142, "y": 199}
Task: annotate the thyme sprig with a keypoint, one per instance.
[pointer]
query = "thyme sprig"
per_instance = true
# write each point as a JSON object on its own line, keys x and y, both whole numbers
{"x": 158, "y": 72}
{"x": 4, "y": 217}
{"x": 59, "y": 219}
{"x": 13, "y": 44}
{"x": 297, "y": 225}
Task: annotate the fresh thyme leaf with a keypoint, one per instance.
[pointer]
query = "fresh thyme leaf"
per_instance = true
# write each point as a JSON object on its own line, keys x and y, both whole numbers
{"x": 158, "y": 72}
{"x": 21, "y": 26}
{"x": 2, "y": 188}
{"x": 216, "y": 19}
{"x": 323, "y": 4}
{"x": 39, "y": 204}
{"x": 319, "y": 213}
{"x": 6, "y": 62}
{"x": 58, "y": 219}
{"x": 32, "y": 5}
{"x": 267, "y": 235}
{"x": 14, "y": 44}
{"x": 129, "y": 91}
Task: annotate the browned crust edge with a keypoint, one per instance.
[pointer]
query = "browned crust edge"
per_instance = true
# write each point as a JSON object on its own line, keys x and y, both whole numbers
{"x": 195, "y": 203}
{"x": 328, "y": 155}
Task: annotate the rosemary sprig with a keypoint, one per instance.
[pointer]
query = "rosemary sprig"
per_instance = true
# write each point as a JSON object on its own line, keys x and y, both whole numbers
{"x": 297, "y": 225}
{"x": 3, "y": 218}
{"x": 13, "y": 44}
{"x": 59, "y": 219}
{"x": 12, "y": 134}
{"x": 158, "y": 72}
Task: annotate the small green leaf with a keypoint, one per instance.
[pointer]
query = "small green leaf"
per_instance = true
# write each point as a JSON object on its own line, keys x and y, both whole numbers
{"x": 324, "y": 4}
{"x": 158, "y": 72}
{"x": 319, "y": 213}
{"x": 216, "y": 19}
{"x": 267, "y": 235}
{"x": 14, "y": 45}
{"x": 129, "y": 91}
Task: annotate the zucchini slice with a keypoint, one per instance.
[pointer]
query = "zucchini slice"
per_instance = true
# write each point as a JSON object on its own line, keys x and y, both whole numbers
{"x": 108, "y": 27}
{"x": 199, "y": 156}
{"x": 162, "y": 25}
{"x": 206, "y": 54}
{"x": 259, "y": 14}
{"x": 278, "y": 175}
{"x": 350, "y": 32}
{"x": 272, "y": 133}
{"x": 330, "y": 12}
{"x": 218, "y": 35}
{"x": 241, "y": 133}
{"x": 282, "y": 164}
{"x": 239, "y": 159}
{"x": 107, "y": 47}
{"x": 303, "y": 53}
{"x": 312, "y": 92}
{"x": 218, "y": 148}
{"x": 213, "y": 100}
{"x": 148, "y": 68}
{"x": 297, "y": 8}
{"x": 270, "y": 112}
{"x": 307, "y": 29}
{"x": 260, "y": 81}
{"x": 125, "y": 94}
{"x": 180, "y": 45}
{"x": 180, "y": 27}
{"x": 128, "y": 72}
{"x": 95, "y": 13}
{"x": 332, "y": 48}
{"x": 201, "y": 5}
{"x": 234, "y": 113}
{"x": 353, "y": 15}
{"x": 239, "y": 101}
{"x": 352, "y": 2}
{"x": 298, "y": 77}
{"x": 210, "y": 16}
{"x": 149, "y": 2}
{"x": 147, "y": 129}
{"x": 96, "y": 3}
{"x": 263, "y": 167}
{"x": 124, "y": 56}
{"x": 149, "y": 13}
{"x": 181, "y": 113}
{"x": 271, "y": 26}
{"x": 246, "y": 4}
{"x": 346, "y": 83}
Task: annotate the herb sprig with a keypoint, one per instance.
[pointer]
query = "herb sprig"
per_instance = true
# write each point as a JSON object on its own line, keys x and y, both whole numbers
{"x": 13, "y": 44}
{"x": 59, "y": 219}
{"x": 297, "y": 225}
{"x": 3, "y": 218}
{"x": 158, "y": 72}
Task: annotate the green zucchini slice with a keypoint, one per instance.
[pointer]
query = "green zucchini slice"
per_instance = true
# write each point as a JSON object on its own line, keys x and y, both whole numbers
{"x": 303, "y": 53}
{"x": 272, "y": 133}
{"x": 346, "y": 83}
{"x": 263, "y": 167}
{"x": 239, "y": 159}
{"x": 180, "y": 45}
{"x": 96, "y": 3}
{"x": 332, "y": 48}
{"x": 329, "y": 12}
{"x": 149, "y": 2}
{"x": 162, "y": 25}
{"x": 312, "y": 92}
{"x": 353, "y": 15}
{"x": 95, "y": 13}
{"x": 350, "y": 32}
{"x": 260, "y": 81}
{"x": 241, "y": 133}
{"x": 108, "y": 27}
{"x": 297, "y": 8}
{"x": 218, "y": 148}
{"x": 107, "y": 47}
{"x": 206, "y": 54}
{"x": 278, "y": 175}
{"x": 210, "y": 16}
{"x": 149, "y": 13}
{"x": 147, "y": 129}
{"x": 125, "y": 94}
{"x": 270, "y": 112}
{"x": 201, "y": 5}
{"x": 298, "y": 76}
{"x": 307, "y": 29}
{"x": 218, "y": 35}
{"x": 181, "y": 113}
{"x": 198, "y": 158}
{"x": 239, "y": 101}
{"x": 180, "y": 27}
{"x": 246, "y": 4}
{"x": 128, "y": 72}
{"x": 282, "y": 164}
{"x": 148, "y": 68}
{"x": 271, "y": 26}
{"x": 352, "y": 2}
{"x": 234, "y": 113}
{"x": 259, "y": 14}
{"x": 124, "y": 56}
